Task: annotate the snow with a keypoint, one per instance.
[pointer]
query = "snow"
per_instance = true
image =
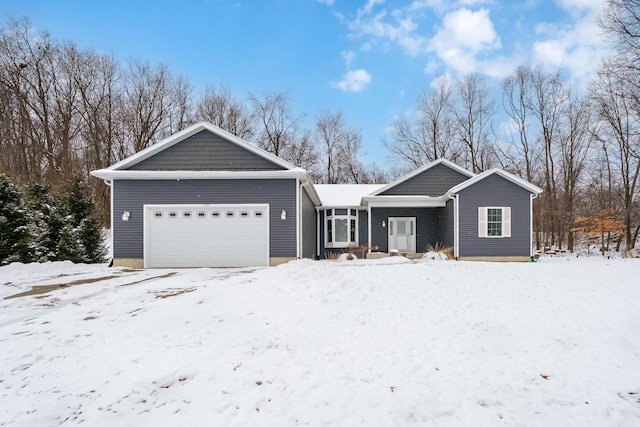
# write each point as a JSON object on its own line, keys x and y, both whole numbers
{"x": 383, "y": 342}
{"x": 344, "y": 195}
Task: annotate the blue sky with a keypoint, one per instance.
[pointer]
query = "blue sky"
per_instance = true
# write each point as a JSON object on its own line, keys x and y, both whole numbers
{"x": 369, "y": 59}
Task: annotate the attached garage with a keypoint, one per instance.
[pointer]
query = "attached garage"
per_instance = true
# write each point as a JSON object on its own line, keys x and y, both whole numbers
{"x": 206, "y": 235}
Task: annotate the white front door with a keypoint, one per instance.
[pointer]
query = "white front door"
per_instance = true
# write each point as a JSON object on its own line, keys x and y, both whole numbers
{"x": 402, "y": 234}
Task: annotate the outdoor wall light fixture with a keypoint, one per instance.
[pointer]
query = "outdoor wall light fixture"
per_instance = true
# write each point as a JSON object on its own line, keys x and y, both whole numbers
{"x": 126, "y": 215}
{"x": 384, "y": 223}
{"x": 283, "y": 215}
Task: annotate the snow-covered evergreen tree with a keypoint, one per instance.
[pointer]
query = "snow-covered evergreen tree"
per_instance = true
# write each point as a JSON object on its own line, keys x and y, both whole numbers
{"x": 14, "y": 233}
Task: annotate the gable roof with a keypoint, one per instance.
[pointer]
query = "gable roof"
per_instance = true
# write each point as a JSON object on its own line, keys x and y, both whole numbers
{"x": 344, "y": 195}
{"x": 192, "y": 130}
{"x": 506, "y": 175}
{"x": 440, "y": 161}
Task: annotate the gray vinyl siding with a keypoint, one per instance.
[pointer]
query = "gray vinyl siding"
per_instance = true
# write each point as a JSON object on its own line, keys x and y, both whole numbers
{"x": 309, "y": 238}
{"x": 205, "y": 151}
{"x": 445, "y": 224}
{"x": 426, "y": 226}
{"x": 131, "y": 195}
{"x": 363, "y": 227}
{"x": 435, "y": 181}
{"x": 494, "y": 191}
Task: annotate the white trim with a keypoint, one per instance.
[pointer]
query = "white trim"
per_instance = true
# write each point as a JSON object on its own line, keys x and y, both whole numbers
{"x": 424, "y": 168}
{"x": 136, "y": 174}
{"x": 113, "y": 212}
{"x": 456, "y": 227}
{"x": 532, "y": 196}
{"x": 405, "y": 201}
{"x": 369, "y": 227}
{"x": 317, "y": 230}
{"x": 506, "y": 175}
{"x": 298, "y": 219}
{"x": 192, "y": 130}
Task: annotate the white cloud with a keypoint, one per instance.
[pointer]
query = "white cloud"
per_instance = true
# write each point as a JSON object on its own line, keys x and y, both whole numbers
{"x": 576, "y": 46}
{"x": 353, "y": 81}
{"x": 397, "y": 27}
{"x": 468, "y": 30}
{"x": 463, "y": 35}
{"x": 327, "y": 2}
{"x": 348, "y": 56}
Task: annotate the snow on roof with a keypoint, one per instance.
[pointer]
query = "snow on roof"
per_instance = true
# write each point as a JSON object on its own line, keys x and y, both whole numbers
{"x": 344, "y": 194}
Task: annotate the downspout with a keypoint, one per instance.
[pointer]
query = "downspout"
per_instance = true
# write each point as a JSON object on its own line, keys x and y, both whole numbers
{"x": 369, "y": 227}
{"x": 298, "y": 219}
{"x": 110, "y": 184}
{"x": 456, "y": 228}
{"x": 317, "y": 231}
{"x": 533, "y": 196}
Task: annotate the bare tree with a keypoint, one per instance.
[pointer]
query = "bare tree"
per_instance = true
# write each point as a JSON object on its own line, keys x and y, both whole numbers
{"x": 156, "y": 104}
{"x": 474, "y": 112}
{"x": 276, "y": 126}
{"x": 219, "y": 107}
{"x": 516, "y": 99}
{"x": 433, "y": 134}
{"x": 617, "y": 106}
{"x": 574, "y": 145}
{"x": 339, "y": 145}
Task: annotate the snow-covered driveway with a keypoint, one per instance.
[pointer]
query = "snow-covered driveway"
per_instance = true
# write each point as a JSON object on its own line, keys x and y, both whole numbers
{"x": 380, "y": 343}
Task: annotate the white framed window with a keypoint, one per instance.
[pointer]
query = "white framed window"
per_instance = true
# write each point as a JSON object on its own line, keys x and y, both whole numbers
{"x": 494, "y": 221}
{"x": 341, "y": 228}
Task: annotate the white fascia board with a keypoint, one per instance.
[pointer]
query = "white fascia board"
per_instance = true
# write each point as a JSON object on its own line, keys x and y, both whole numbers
{"x": 424, "y": 168}
{"x": 504, "y": 174}
{"x": 307, "y": 184}
{"x": 192, "y": 130}
{"x": 111, "y": 174}
{"x": 405, "y": 201}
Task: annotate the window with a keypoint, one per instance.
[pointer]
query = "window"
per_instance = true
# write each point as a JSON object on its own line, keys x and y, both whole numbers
{"x": 340, "y": 228}
{"x": 201, "y": 214}
{"x": 244, "y": 214}
{"x": 494, "y": 222}
{"x": 258, "y": 213}
{"x": 172, "y": 214}
{"x": 230, "y": 214}
{"x": 158, "y": 214}
{"x": 186, "y": 214}
{"x": 215, "y": 214}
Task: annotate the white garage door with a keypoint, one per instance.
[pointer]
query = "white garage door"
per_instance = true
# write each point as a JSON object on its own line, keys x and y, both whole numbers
{"x": 206, "y": 235}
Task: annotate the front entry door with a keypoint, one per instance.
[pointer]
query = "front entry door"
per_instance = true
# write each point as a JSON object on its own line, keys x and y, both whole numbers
{"x": 402, "y": 234}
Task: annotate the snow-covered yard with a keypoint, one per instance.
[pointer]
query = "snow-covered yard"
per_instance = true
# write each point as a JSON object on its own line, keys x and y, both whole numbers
{"x": 375, "y": 343}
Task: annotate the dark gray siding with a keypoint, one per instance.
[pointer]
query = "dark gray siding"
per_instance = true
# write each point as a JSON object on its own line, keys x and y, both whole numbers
{"x": 309, "y": 239}
{"x": 426, "y": 226}
{"x": 494, "y": 191}
{"x": 205, "y": 151}
{"x": 131, "y": 195}
{"x": 435, "y": 181}
{"x": 445, "y": 224}
{"x": 321, "y": 218}
{"x": 363, "y": 227}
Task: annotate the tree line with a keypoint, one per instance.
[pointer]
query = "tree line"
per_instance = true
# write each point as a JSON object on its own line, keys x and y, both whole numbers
{"x": 65, "y": 111}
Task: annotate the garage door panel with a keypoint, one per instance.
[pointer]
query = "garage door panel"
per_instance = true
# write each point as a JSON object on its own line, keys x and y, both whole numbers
{"x": 206, "y": 236}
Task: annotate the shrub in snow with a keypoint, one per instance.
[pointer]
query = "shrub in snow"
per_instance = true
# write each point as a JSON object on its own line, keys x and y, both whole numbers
{"x": 435, "y": 256}
{"x": 347, "y": 257}
{"x": 438, "y": 251}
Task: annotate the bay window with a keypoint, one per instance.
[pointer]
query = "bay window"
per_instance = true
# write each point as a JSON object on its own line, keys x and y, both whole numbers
{"x": 340, "y": 228}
